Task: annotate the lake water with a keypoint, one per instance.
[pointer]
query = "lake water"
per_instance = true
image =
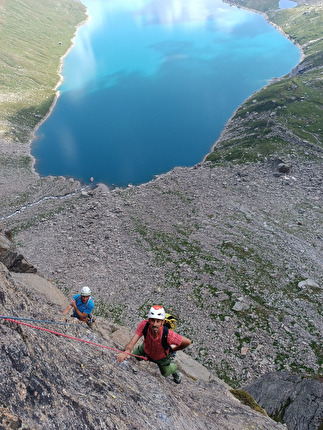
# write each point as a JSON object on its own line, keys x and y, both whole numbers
{"x": 150, "y": 84}
{"x": 287, "y": 4}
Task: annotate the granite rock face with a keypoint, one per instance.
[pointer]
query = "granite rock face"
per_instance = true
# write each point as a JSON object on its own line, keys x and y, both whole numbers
{"x": 53, "y": 382}
{"x": 10, "y": 257}
{"x": 292, "y": 398}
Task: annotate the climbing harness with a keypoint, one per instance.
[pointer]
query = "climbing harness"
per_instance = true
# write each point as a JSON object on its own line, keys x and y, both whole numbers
{"x": 70, "y": 337}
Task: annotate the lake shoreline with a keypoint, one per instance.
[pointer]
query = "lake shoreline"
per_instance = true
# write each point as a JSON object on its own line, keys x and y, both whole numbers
{"x": 57, "y": 92}
{"x": 51, "y": 137}
{"x": 17, "y": 150}
{"x": 274, "y": 25}
{"x": 269, "y": 83}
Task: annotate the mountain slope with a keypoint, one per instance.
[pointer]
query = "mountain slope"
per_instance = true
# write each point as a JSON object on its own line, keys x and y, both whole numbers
{"x": 48, "y": 381}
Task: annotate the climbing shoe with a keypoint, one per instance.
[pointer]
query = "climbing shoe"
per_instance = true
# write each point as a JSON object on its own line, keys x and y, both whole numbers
{"x": 177, "y": 377}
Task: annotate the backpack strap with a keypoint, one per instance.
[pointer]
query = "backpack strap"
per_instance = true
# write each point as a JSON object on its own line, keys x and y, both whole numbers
{"x": 87, "y": 303}
{"x": 145, "y": 330}
{"x": 163, "y": 339}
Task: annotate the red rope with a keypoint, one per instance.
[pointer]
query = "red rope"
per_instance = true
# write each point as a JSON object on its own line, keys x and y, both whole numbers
{"x": 74, "y": 338}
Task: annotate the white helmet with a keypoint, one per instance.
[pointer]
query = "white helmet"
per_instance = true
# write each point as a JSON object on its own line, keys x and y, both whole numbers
{"x": 85, "y": 291}
{"x": 157, "y": 312}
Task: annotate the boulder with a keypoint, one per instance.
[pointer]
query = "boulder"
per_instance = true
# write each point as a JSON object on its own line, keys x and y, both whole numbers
{"x": 11, "y": 258}
{"x": 294, "y": 399}
{"x": 308, "y": 283}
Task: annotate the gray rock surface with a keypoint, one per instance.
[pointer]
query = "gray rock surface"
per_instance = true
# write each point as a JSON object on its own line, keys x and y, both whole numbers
{"x": 11, "y": 258}
{"x": 49, "y": 381}
{"x": 293, "y": 399}
{"x": 198, "y": 240}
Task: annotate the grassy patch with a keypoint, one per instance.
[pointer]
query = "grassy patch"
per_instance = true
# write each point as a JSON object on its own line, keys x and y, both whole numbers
{"x": 21, "y": 162}
{"x": 177, "y": 247}
{"x": 302, "y": 24}
{"x": 34, "y": 37}
{"x": 318, "y": 351}
{"x": 286, "y": 116}
{"x": 112, "y": 312}
{"x": 279, "y": 415}
{"x": 248, "y": 400}
{"x": 227, "y": 373}
{"x": 23, "y": 226}
{"x": 260, "y": 5}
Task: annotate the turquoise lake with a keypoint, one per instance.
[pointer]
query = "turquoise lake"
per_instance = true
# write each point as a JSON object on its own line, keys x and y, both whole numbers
{"x": 150, "y": 84}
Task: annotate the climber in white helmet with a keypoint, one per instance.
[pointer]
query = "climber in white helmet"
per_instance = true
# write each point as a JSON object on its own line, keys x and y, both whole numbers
{"x": 160, "y": 343}
{"x": 82, "y": 305}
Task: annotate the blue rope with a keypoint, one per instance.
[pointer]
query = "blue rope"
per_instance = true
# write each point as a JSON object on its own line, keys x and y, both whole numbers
{"x": 42, "y": 321}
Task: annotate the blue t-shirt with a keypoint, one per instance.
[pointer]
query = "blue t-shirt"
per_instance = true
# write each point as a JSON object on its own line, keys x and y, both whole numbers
{"x": 86, "y": 307}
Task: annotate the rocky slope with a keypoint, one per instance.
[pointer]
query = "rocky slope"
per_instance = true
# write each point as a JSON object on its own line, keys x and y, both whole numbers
{"x": 290, "y": 398}
{"x": 50, "y": 381}
{"x": 235, "y": 251}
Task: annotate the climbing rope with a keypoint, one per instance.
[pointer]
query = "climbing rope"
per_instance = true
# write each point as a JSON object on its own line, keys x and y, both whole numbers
{"x": 42, "y": 321}
{"x": 71, "y": 337}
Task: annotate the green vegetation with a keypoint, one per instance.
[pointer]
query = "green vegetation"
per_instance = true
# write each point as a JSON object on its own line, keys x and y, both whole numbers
{"x": 167, "y": 245}
{"x": 279, "y": 416}
{"x": 228, "y": 374}
{"x": 242, "y": 340}
{"x": 295, "y": 22}
{"x": 259, "y": 5}
{"x": 318, "y": 351}
{"x": 248, "y": 400}
{"x": 110, "y": 312}
{"x": 286, "y": 116}
{"x": 247, "y": 267}
{"x": 20, "y": 162}
{"x": 283, "y": 118}
{"x": 48, "y": 214}
{"x": 34, "y": 37}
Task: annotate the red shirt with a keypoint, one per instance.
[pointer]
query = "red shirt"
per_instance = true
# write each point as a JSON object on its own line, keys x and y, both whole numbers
{"x": 153, "y": 346}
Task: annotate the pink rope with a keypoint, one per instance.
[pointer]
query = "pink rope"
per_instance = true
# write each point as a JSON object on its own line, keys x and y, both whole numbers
{"x": 74, "y": 338}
